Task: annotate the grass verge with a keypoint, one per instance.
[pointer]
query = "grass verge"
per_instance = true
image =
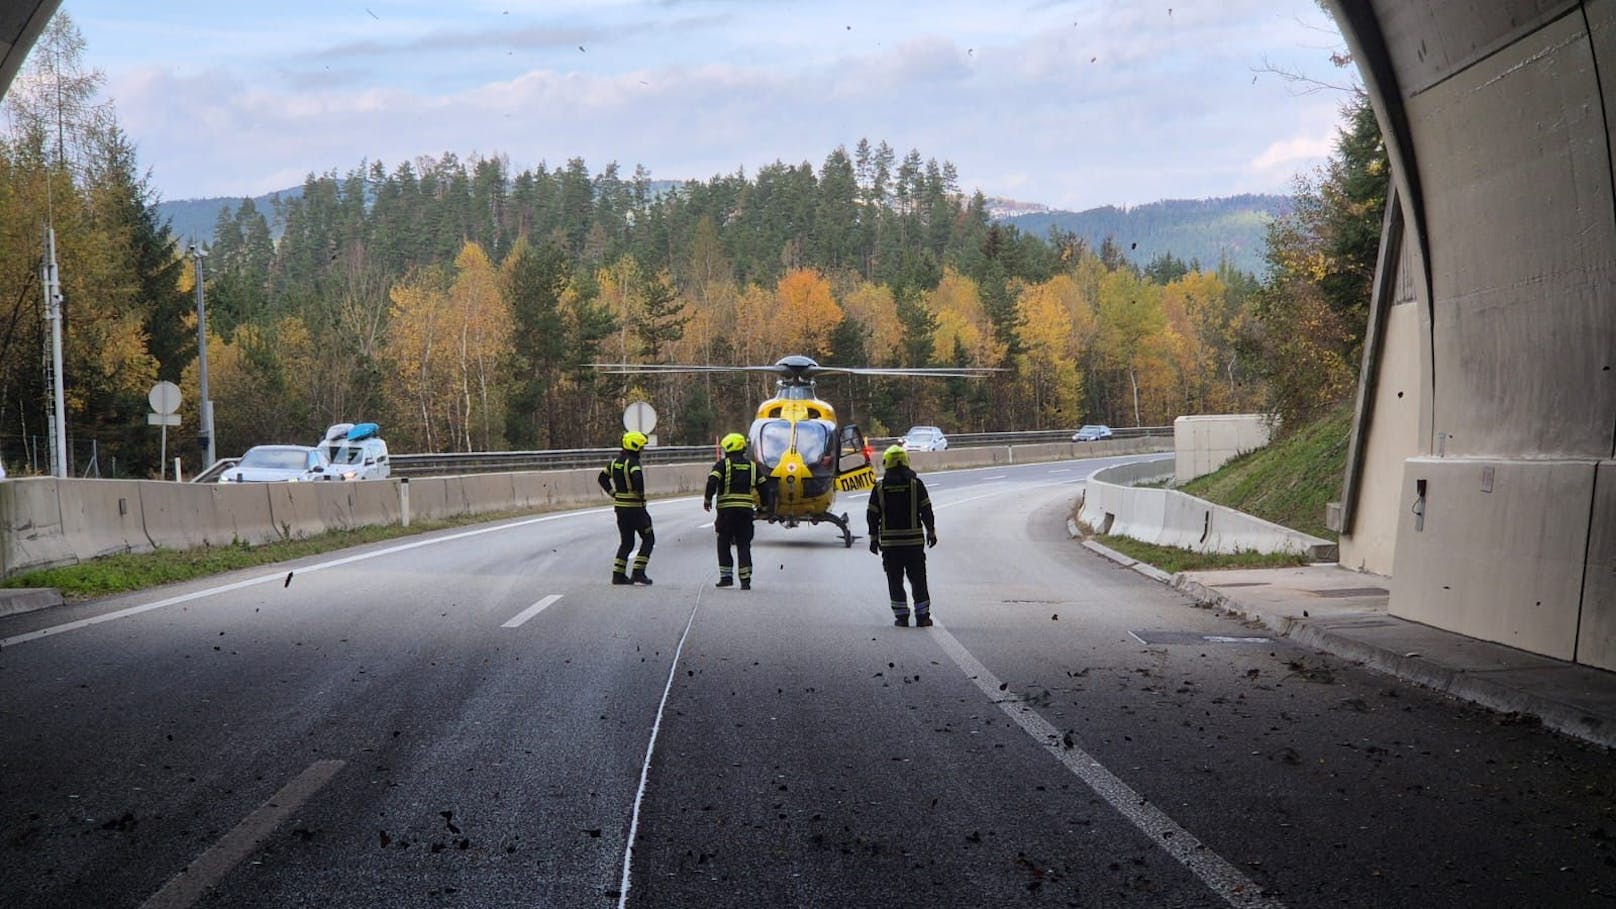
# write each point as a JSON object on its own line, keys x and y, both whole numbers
{"x": 1290, "y": 481}
{"x": 126, "y": 571}
{"x": 1172, "y": 559}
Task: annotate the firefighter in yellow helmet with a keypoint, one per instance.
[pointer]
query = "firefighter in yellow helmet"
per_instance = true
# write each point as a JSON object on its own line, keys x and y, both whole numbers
{"x": 624, "y": 481}
{"x": 901, "y": 527}
{"x": 735, "y": 481}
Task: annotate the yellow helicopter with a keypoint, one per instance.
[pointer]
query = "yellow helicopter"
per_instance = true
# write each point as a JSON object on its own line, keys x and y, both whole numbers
{"x": 807, "y": 454}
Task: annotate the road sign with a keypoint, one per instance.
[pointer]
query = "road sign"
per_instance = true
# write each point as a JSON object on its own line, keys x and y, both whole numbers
{"x": 162, "y": 419}
{"x": 639, "y": 417}
{"x": 165, "y": 399}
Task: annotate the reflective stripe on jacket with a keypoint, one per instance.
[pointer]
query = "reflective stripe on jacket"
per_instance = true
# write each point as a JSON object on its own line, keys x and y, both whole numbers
{"x": 900, "y": 510}
{"x": 625, "y": 481}
{"x": 734, "y": 481}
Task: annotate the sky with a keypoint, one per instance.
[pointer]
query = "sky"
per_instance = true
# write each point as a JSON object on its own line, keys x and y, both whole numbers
{"x": 1072, "y": 104}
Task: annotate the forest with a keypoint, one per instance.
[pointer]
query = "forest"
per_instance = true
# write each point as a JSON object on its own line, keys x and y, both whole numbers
{"x": 460, "y": 304}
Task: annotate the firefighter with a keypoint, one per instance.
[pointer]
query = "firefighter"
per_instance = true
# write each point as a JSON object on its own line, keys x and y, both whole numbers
{"x": 624, "y": 481}
{"x": 735, "y": 481}
{"x": 901, "y": 527}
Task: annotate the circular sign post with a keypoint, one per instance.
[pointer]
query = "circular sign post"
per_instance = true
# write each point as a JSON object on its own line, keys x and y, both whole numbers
{"x": 164, "y": 397}
{"x": 165, "y": 402}
{"x": 640, "y": 417}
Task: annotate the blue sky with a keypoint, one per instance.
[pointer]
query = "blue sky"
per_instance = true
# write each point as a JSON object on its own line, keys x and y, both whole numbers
{"x": 1070, "y": 104}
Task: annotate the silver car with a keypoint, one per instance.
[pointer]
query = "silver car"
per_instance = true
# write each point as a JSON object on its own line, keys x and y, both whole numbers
{"x": 924, "y": 438}
{"x": 278, "y": 464}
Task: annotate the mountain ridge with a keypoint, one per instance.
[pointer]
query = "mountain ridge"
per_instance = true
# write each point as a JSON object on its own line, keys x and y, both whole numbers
{"x": 1193, "y": 230}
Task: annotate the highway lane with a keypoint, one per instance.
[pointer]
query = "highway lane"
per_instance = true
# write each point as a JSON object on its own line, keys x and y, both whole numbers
{"x": 809, "y": 753}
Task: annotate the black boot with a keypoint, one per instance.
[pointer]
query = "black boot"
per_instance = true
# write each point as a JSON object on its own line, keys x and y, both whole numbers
{"x": 726, "y": 581}
{"x": 901, "y": 621}
{"x": 620, "y": 578}
{"x": 640, "y": 578}
{"x": 923, "y": 621}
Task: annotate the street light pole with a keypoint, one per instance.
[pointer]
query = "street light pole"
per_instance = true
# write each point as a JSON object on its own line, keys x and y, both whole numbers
{"x": 205, "y": 436}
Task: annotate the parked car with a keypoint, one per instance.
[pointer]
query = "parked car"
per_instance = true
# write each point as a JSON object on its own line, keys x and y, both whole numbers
{"x": 924, "y": 438}
{"x": 357, "y": 452}
{"x": 365, "y": 459}
{"x": 279, "y": 464}
{"x": 1091, "y": 433}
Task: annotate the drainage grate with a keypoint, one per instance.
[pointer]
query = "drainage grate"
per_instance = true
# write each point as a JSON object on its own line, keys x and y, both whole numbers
{"x": 1194, "y": 637}
{"x": 1352, "y": 592}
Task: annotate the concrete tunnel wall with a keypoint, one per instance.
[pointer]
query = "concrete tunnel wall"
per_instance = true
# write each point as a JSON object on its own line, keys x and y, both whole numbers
{"x": 1500, "y": 141}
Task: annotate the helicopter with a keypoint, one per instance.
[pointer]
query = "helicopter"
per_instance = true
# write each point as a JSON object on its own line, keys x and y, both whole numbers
{"x": 808, "y": 456}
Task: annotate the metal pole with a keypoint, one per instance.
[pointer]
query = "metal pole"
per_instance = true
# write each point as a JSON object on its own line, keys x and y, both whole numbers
{"x": 206, "y": 405}
{"x": 53, "y": 314}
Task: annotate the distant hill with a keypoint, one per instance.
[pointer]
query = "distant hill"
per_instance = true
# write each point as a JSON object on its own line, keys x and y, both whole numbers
{"x": 1193, "y": 230}
{"x": 190, "y": 219}
{"x": 195, "y": 218}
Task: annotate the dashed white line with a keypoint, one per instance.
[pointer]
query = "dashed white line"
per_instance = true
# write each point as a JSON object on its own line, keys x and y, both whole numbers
{"x": 210, "y": 867}
{"x": 1215, "y": 872}
{"x": 531, "y": 611}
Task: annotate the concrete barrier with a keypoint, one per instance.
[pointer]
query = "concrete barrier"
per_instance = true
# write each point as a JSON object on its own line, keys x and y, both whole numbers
{"x": 31, "y": 525}
{"x": 101, "y": 517}
{"x": 1205, "y": 442}
{"x": 1167, "y": 517}
{"x": 186, "y": 515}
{"x": 45, "y": 521}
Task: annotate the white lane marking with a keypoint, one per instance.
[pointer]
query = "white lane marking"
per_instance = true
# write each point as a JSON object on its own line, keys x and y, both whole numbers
{"x": 1061, "y": 470}
{"x": 704, "y": 526}
{"x": 999, "y": 477}
{"x": 650, "y": 749}
{"x": 985, "y": 495}
{"x": 265, "y": 579}
{"x": 1215, "y": 872}
{"x": 210, "y": 867}
{"x": 1136, "y": 637}
{"x": 531, "y": 611}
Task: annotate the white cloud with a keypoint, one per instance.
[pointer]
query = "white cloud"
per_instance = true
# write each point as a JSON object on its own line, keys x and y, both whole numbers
{"x": 1167, "y": 108}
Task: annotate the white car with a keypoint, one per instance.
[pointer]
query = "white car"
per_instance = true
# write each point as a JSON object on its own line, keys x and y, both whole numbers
{"x": 279, "y": 464}
{"x": 924, "y": 438}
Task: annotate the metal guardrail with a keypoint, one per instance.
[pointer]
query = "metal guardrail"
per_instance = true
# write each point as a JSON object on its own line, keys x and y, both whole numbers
{"x": 455, "y": 463}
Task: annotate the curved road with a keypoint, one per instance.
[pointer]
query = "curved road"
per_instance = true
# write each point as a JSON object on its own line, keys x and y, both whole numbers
{"x": 477, "y": 718}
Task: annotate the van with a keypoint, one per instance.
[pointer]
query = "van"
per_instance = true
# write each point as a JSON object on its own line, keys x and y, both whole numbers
{"x": 365, "y": 459}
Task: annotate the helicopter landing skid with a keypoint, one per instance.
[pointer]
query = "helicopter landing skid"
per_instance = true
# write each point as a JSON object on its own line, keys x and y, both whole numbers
{"x": 791, "y": 521}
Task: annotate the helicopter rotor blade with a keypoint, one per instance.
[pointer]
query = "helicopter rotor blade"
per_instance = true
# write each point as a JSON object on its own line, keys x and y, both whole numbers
{"x": 673, "y": 368}
{"x": 945, "y": 372}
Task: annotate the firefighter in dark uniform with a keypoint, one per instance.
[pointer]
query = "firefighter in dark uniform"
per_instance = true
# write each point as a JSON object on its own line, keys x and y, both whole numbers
{"x": 901, "y": 527}
{"x": 624, "y": 481}
{"x": 735, "y": 482}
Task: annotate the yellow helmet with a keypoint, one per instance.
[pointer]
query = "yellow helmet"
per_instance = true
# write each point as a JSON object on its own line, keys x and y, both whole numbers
{"x": 634, "y": 441}
{"x": 733, "y": 442}
{"x": 894, "y": 455}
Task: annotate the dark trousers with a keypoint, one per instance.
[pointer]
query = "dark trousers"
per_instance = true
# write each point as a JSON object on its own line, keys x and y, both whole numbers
{"x": 898, "y": 561}
{"x": 734, "y": 527}
{"x": 632, "y": 521}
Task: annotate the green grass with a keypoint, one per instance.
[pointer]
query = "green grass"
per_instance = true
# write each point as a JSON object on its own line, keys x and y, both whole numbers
{"x": 1291, "y": 480}
{"x": 1172, "y": 559}
{"x": 128, "y": 571}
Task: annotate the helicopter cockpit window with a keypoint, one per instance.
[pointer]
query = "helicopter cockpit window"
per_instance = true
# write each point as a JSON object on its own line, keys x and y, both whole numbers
{"x": 773, "y": 440}
{"x": 813, "y": 442}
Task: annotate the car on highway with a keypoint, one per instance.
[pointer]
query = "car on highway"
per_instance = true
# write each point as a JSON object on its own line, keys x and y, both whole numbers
{"x": 924, "y": 438}
{"x": 279, "y": 464}
{"x": 365, "y": 459}
{"x": 1091, "y": 433}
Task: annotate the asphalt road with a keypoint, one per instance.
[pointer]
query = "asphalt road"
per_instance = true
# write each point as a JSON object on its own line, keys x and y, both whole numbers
{"x": 477, "y": 718}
